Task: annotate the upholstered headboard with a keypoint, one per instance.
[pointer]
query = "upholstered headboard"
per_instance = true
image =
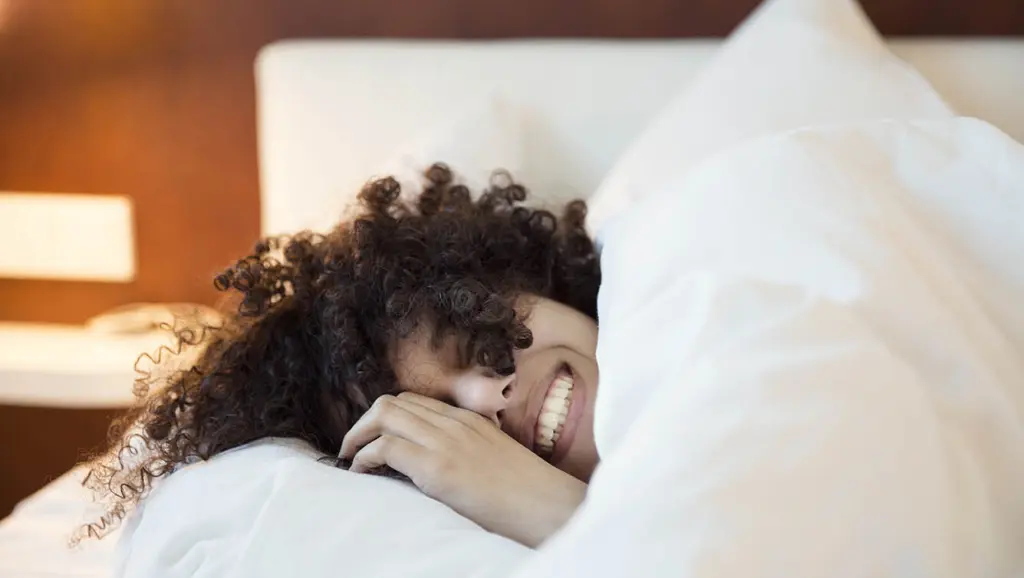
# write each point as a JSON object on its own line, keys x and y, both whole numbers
{"x": 331, "y": 112}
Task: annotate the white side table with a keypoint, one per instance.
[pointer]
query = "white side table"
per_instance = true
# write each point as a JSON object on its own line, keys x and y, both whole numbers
{"x": 69, "y": 366}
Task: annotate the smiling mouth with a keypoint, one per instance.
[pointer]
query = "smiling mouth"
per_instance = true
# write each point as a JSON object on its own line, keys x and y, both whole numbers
{"x": 553, "y": 413}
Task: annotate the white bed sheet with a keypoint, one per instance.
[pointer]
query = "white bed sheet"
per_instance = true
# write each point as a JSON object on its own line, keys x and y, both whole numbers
{"x": 34, "y": 539}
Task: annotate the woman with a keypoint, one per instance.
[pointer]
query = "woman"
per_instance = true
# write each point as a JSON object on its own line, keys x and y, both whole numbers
{"x": 448, "y": 339}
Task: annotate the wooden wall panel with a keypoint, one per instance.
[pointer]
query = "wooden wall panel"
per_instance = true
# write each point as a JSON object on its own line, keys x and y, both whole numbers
{"x": 154, "y": 99}
{"x": 40, "y": 444}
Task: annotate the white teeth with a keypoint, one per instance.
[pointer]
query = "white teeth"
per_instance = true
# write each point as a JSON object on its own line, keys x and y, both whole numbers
{"x": 556, "y": 404}
{"x": 553, "y": 414}
{"x": 550, "y": 420}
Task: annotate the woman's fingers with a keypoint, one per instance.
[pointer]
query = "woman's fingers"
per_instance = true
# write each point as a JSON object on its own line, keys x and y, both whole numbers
{"x": 397, "y": 453}
{"x": 421, "y": 420}
{"x": 458, "y": 414}
{"x": 390, "y": 416}
{"x": 427, "y": 402}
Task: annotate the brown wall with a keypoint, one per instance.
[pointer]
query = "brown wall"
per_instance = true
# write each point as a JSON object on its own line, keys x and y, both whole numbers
{"x": 39, "y": 444}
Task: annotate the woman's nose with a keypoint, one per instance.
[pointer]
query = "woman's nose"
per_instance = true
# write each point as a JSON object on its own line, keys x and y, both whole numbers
{"x": 488, "y": 394}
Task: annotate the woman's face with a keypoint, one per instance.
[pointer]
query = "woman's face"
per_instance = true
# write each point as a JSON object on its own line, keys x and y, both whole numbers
{"x": 547, "y": 404}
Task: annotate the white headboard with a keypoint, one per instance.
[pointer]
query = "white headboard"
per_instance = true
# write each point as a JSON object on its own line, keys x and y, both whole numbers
{"x": 330, "y": 111}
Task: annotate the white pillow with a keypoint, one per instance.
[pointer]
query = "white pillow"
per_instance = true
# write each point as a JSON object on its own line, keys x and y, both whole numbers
{"x": 269, "y": 509}
{"x": 792, "y": 63}
{"x": 488, "y": 135}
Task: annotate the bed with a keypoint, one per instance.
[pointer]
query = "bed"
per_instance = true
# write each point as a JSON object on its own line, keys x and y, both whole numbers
{"x": 308, "y": 90}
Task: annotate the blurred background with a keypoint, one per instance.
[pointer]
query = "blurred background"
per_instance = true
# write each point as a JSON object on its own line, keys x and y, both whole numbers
{"x": 128, "y": 161}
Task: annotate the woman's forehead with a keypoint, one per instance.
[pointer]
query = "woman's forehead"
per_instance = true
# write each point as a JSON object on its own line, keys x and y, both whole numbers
{"x": 423, "y": 343}
{"x": 420, "y": 360}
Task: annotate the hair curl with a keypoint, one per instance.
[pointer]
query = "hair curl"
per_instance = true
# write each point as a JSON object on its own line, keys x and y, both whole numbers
{"x": 306, "y": 352}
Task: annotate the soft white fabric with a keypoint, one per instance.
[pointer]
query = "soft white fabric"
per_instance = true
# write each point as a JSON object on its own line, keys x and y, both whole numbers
{"x": 812, "y": 364}
{"x": 271, "y": 510}
{"x": 34, "y": 539}
{"x": 792, "y": 63}
{"x": 483, "y": 135}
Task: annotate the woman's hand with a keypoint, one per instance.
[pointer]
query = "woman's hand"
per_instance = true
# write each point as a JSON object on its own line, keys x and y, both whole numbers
{"x": 463, "y": 460}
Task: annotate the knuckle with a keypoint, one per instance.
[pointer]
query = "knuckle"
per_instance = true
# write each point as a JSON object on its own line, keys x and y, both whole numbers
{"x": 383, "y": 405}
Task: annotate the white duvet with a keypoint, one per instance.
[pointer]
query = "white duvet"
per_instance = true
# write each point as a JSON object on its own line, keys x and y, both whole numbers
{"x": 812, "y": 364}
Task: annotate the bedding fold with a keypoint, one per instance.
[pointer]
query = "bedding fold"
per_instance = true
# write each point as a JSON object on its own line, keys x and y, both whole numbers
{"x": 811, "y": 363}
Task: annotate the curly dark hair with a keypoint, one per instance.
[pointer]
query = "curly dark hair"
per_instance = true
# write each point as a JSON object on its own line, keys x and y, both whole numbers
{"x": 305, "y": 353}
